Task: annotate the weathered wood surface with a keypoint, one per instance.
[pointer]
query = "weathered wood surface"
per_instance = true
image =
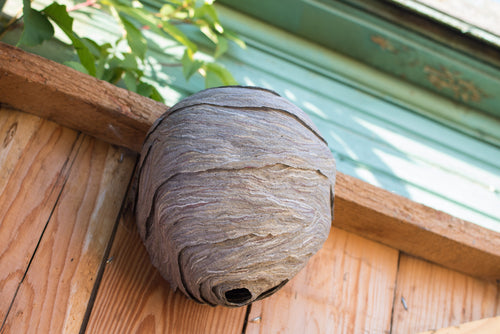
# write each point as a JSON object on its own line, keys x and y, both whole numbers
{"x": 53, "y": 296}
{"x": 35, "y": 159}
{"x": 416, "y": 229}
{"x": 347, "y": 287}
{"x": 121, "y": 117}
{"x": 134, "y": 298}
{"x": 429, "y": 297}
{"x": 483, "y": 326}
{"x": 56, "y": 92}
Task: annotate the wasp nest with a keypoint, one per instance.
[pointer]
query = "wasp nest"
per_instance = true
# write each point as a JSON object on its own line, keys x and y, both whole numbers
{"x": 235, "y": 194}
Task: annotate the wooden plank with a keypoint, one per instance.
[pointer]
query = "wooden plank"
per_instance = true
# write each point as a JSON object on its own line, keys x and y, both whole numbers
{"x": 359, "y": 207}
{"x": 66, "y": 96}
{"x": 483, "y": 326}
{"x": 416, "y": 229}
{"x": 35, "y": 156}
{"x": 430, "y": 297}
{"x": 53, "y": 296}
{"x": 133, "y": 298}
{"x": 347, "y": 287}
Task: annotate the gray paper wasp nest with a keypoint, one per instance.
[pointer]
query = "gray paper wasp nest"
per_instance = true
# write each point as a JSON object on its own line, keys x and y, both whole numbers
{"x": 235, "y": 194}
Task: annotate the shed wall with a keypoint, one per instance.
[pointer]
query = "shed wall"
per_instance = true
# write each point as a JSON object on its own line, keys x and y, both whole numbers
{"x": 71, "y": 259}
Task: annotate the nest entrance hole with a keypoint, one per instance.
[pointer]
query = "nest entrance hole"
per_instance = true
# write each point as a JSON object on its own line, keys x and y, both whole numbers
{"x": 238, "y": 296}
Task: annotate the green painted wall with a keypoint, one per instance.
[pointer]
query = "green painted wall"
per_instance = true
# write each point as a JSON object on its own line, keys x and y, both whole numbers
{"x": 366, "y": 32}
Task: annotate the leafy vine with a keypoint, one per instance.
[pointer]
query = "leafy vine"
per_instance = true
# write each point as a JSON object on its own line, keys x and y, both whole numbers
{"x": 105, "y": 60}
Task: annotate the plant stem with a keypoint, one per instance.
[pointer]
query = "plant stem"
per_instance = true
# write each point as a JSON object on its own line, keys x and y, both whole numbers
{"x": 88, "y": 3}
{"x": 12, "y": 21}
{"x": 171, "y": 64}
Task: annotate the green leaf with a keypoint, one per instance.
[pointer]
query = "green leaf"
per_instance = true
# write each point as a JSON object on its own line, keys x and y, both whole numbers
{"x": 85, "y": 56}
{"x": 77, "y": 66}
{"x": 37, "y": 27}
{"x": 59, "y": 15}
{"x": 167, "y": 10}
{"x": 207, "y": 12}
{"x": 146, "y": 18}
{"x": 178, "y": 35}
{"x": 130, "y": 63}
{"x": 217, "y": 75}
{"x": 212, "y": 80}
{"x": 189, "y": 65}
{"x": 2, "y": 4}
{"x": 234, "y": 38}
{"x": 102, "y": 60}
{"x": 144, "y": 89}
{"x": 207, "y": 31}
{"x": 135, "y": 39}
{"x": 221, "y": 47}
{"x": 113, "y": 71}
{"x": 93, "y": 47}
{"x": 177, "y": 2}
{"x": 141, "y": 15}
{"x": 130, "y": 80}
{"x": 155, "y": 95}
{"x": 150, "y": 91}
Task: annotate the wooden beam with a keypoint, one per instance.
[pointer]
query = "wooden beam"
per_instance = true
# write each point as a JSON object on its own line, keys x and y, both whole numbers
{"x": 40, "y": 86}
{"x": 416, "y": 229}
{"x": 34, "y": 84}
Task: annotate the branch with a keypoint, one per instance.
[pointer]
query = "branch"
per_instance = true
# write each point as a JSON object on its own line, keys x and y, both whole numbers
{"x": 88, "y": 3}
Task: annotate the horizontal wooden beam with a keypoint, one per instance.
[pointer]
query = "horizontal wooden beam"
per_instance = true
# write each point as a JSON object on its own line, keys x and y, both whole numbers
{"x": 39, "y": 86}
{"x": 416, "y": 229}
{"x": 70, "y": 98}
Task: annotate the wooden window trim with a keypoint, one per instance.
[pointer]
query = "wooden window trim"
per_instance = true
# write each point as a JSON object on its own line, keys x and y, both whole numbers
{"x": 42, "y": 87}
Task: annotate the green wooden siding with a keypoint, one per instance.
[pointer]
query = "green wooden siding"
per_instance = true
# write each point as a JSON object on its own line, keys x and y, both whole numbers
{"x": 381, "y": 129}
{"x": 356, "y": 28}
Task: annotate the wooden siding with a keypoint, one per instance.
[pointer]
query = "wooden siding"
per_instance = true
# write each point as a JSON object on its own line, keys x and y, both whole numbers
{"x": 76, "y": 275}
{"x": 387, "y": 35}
{"x": 431, "y": 297}
{"x": 60, "y": 202}
{"x": 74, "y": 261}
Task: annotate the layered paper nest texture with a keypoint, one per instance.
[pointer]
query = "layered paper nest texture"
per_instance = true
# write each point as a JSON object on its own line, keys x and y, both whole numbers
{"x": 235, "y": 194}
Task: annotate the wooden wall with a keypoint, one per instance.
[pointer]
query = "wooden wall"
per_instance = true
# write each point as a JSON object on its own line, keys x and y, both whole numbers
{"x": 71, "y": 259}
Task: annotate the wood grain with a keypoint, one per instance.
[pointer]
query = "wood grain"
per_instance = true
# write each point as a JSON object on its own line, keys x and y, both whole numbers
{"x": 35, "y": 156}
{"x": 416, "y": 229}
{"x": 37, "y": 85}
{"x": 104, "y": 111}
{"x": 133, "y": 298}
{"x": 53, "y": 296}
{"x": 347, "y": 287}
{"x": 483, "y": 326}
{"x": 437, "y": 297}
